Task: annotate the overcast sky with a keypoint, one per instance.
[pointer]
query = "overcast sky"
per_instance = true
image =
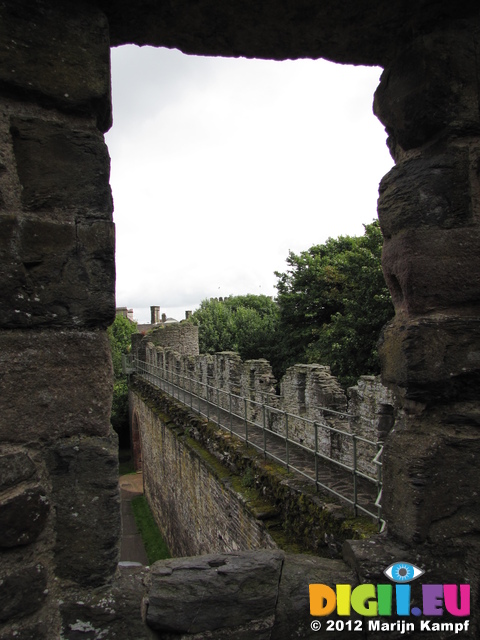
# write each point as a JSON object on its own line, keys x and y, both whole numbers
{"x": 221, "y": 166}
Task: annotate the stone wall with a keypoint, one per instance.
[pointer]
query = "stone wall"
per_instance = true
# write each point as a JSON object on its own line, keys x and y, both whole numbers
{"x": 312, "y": 405}
{"x": 197, "y": 509}
{"x": 59, "y": 502}
{"x": 181, "y": 336}
{"x": 210, "y": 491}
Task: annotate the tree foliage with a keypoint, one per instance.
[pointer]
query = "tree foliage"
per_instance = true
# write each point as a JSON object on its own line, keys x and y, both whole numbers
{"x": 245, "y": 324}
{"x": 333, "y": 302}
{"x": 120, "y": 336}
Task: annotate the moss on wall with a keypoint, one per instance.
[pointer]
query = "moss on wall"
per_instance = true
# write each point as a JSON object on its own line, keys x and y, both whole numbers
{"x": 298, "y": 518}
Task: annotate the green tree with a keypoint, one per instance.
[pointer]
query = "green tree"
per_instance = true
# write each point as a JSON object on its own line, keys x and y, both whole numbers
{"x": 120, "y": 336}
{"x": 333, "y": 302}
{"x": 245, "y": 324}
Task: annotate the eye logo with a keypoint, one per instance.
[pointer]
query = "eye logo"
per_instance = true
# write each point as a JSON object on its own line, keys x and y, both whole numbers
{"x": 402, "y": 572}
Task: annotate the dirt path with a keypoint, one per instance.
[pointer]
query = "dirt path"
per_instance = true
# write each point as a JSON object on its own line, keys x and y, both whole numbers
{"x": 131, "y": 548}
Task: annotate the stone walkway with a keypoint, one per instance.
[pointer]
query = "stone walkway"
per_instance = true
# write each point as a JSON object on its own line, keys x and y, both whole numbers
{"x": 131, "y": 548}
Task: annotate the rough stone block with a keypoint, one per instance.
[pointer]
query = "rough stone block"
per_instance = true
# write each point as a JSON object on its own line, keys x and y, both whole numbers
{"x": 22, "y": 592}
{"x": 112, "y": 612}
{"x": 8, "y": 226}
{"x": 23, "y": 515}
{"x": 15, "y": 468}
{"x": 57, "y": 54}
{"x": 431, "y": 85}
{"x": 292, "y": 619}
{"x": 25, "y": 631}
{"x": 39, "y": 288}
{"x": 433, "y": 270}
{"x": 62, "y": 167}
{"x": 430, "y": 192}
{"x": 85, "y": 492}
{"x": 369, "y": 558}
{"x": 432, "y": 359}
{"x": 3, "y": 169}
{"x": 57, "y": 262}
{"x": 43, "y": 397}
{"x": 440, "y": 455}
{"x": 68, "y": 296}
{"x": 213, "y": 592}
{"x": 96, "y": 245}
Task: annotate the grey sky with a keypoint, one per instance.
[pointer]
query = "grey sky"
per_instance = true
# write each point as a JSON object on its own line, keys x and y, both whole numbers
{"x": 220, "y": 166}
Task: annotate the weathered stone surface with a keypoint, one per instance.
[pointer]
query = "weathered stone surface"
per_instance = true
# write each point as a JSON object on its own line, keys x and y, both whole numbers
{"x": 372, "y": 407}
{"x": 369, "y": 558}
{"x": 85, "y": 493}
{"x": 214, "y": 592}
{"x": 415, "y": 503}
{"x": 113, "y": 612}
{"x": 15, "y": 468}
{"x": 23, "y": 516}
{"x": 34, "y": 631}
{"x": 358, "y": 31}
{"x": 427, "y": 192}
{"x": 306, "y": 389}
{"x": 413, "y": 100}
{"x": 56, "y": 54}
{"x": 59, "y": 274}
{"x": 429, "y": 270}
{"x": 59, "y": 166}
{"x": 57, "y": 257}
{"x": 240, "y": 596}
{"x": 42, "y": 396}
{"x": 434, "y": 358}
{"x": 292, "y": 617}
{"x": 22, "y": 592}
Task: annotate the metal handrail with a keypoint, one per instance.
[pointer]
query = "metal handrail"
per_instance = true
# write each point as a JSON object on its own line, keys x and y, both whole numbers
{"x": 211, "y": 398}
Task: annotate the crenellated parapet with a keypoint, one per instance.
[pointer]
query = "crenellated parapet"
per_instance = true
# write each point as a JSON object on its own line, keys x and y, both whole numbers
{"x": 309, "y": 405}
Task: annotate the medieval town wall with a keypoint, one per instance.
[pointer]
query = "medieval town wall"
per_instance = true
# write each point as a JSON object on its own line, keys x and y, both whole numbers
{"x": 311, "y": 405}
{"x": 191, "y": 497}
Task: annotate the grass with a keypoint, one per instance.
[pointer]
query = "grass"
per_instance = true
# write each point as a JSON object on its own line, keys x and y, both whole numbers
{"x": 155, "y": 546}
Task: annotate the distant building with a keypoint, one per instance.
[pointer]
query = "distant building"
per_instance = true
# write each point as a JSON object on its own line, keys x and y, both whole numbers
{"x": 156, "y": 320}
{"x": 126, "y": 313}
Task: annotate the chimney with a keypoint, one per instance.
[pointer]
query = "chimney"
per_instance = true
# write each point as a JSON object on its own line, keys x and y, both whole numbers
{"x": 188, "y": 315}
{"x": 154, "y": 315}
{"x": 164, "y": 317}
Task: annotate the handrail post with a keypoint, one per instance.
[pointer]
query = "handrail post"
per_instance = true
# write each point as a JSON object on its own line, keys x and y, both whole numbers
{"x": 379, "y": 478}
{"x": 264, "y": 410}
{"x": 245, "y": 418}
{"x": 218, "y": 407}
{"x": 354, "y": 442}
{"x": 208, "y": 403}
{"x": 287, "y": 441}
{"x": 230, "y": 408}
{"x": 315, "y": 426}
